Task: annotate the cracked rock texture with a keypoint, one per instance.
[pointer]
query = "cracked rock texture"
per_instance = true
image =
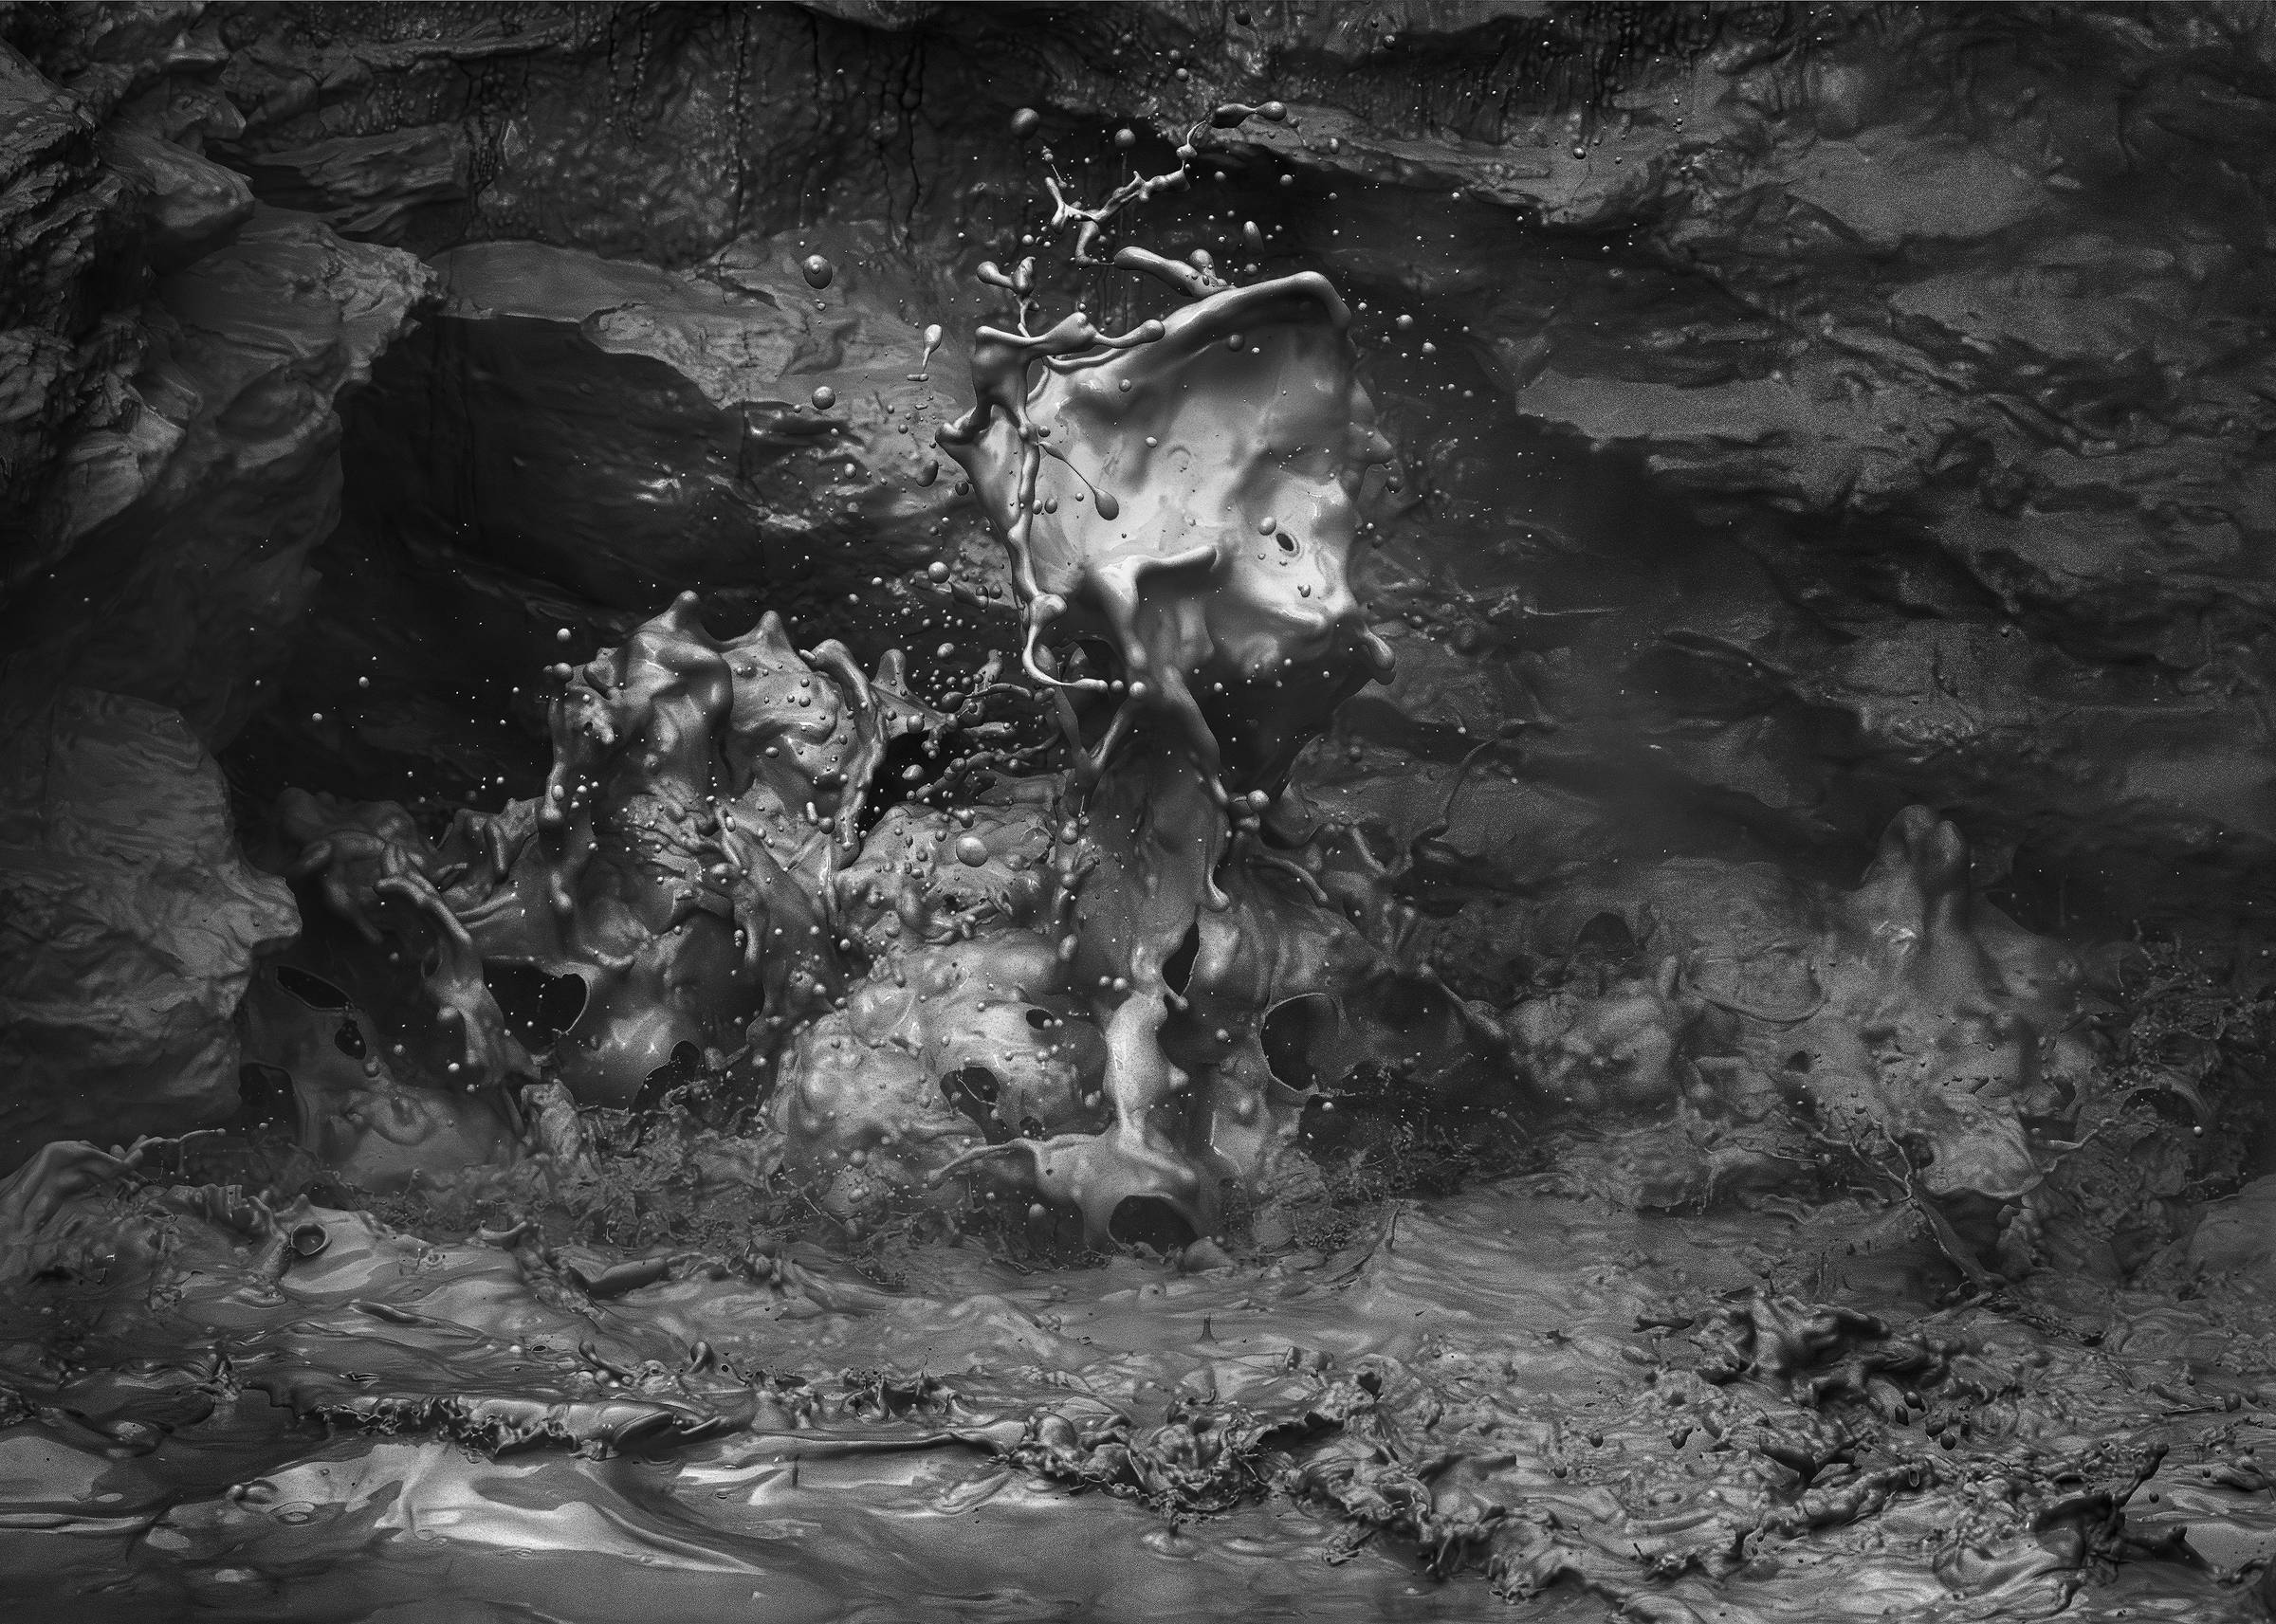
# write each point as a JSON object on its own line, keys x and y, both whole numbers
{"x": 1804, "y": 412}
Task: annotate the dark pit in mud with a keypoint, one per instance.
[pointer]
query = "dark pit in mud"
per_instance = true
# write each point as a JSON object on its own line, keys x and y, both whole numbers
{"x": 996, "y": 813}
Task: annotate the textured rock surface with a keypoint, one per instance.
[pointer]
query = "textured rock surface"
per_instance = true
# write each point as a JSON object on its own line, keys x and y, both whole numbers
{"x": 1804, "y": 415}
{"x": 57, "y": 356}
{"x": 1885, "y": 378}
{"x": 572, "y": 441}
{"x": 169, "y": 460}
{"x": 133, "y": 927}
{"x": 188, "y": 565}
{"x": 1938, "y": 342}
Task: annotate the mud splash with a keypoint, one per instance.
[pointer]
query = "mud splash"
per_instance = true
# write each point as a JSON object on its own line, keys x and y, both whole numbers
{"x": 829, "y": 1147}
{"x": 1219, "y": 452}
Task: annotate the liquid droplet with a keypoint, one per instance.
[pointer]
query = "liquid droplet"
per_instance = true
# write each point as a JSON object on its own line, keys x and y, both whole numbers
{"x": 818, "y": 271}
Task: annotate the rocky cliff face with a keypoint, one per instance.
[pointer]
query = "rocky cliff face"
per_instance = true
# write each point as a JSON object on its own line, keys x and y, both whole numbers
{"x": 171, "y": 460}
{"x": 1802, "y": 414}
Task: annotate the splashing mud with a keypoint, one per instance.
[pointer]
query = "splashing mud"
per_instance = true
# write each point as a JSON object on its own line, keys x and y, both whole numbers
{"x": 828, "y": 1148}
{"x": 1205, "y": 552}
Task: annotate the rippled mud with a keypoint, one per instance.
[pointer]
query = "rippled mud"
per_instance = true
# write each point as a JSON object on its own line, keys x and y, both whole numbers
{"x": 1515, "y": 1391}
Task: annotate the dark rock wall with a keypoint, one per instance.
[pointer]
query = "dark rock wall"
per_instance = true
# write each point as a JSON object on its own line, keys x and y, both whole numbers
{"x": 1887, "y": 375}
{"x": 169, "y": 463}
{"x": 117, "y": 859}
{"x": 1804, "y": 411}
{"x": 575, "y": 439}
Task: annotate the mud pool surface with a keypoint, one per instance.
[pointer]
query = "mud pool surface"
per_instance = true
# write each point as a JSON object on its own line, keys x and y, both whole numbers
{"x": 1677, "y": 1417}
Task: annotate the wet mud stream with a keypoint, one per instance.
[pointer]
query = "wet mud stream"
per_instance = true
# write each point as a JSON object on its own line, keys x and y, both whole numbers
{"x": 1514, "y": 1391}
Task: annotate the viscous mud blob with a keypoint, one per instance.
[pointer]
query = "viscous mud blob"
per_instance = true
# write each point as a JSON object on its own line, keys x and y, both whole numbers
{"x": 672, "y": 876}
{"x": 1178, "y": 505}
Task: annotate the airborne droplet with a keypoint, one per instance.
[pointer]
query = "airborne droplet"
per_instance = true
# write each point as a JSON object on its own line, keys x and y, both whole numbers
{"x": 818, "y": 271}
{"x": 1026, "y": 122}
{"x": 824, "y": 398}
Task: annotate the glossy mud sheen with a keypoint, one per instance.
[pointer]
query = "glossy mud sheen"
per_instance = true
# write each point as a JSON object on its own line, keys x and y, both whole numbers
{"x": 836, "y": 1154}
{"x": 1514, "y": 1389}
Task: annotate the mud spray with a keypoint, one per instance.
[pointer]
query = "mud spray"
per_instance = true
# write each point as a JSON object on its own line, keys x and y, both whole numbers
{"x": 835, "y": 1154}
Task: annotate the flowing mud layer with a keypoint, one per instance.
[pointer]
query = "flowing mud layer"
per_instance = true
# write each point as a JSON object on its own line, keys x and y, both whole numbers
{"x": 220, "y": 1409}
